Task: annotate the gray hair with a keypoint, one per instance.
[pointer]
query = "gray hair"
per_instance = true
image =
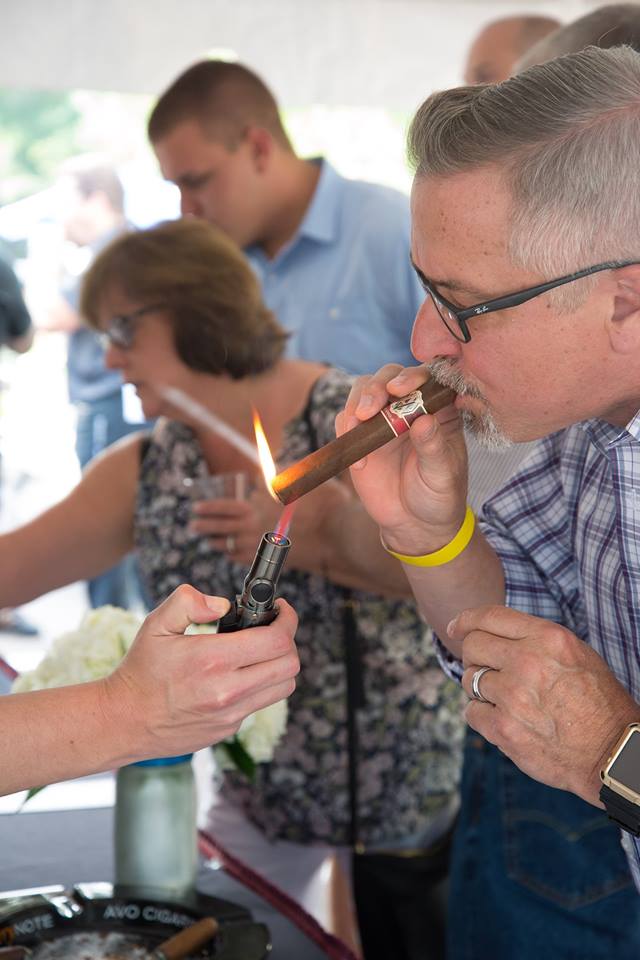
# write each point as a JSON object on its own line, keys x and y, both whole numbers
{"x": 566, "y": 136}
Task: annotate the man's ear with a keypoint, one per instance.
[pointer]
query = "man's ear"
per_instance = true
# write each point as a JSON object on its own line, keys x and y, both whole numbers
{"x": 261, "y": 144}
{"x": 624, "y": 323}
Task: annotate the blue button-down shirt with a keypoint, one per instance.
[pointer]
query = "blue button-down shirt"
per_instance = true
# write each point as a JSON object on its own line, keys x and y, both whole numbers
{"x": 567, "y": 530}
{"x": 343, "y": 285}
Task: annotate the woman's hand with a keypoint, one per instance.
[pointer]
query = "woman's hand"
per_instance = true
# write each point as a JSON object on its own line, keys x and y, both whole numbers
{"x": 235, "y": 527}
{"x": 414, "y": 487}
{"x": 177, "y": 693}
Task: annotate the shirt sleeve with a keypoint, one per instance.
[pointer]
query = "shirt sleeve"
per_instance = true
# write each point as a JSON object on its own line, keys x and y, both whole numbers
{"x": 14, "y": 316}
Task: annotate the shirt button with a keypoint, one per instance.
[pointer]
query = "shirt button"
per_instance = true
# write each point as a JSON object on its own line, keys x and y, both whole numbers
{"x": 334, "y": 313}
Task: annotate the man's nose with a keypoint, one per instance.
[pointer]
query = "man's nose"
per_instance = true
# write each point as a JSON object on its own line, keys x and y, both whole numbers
{"x": 189, "y": 205}
{"x": 430, "y": 336}
{"x": 113, "y": 356}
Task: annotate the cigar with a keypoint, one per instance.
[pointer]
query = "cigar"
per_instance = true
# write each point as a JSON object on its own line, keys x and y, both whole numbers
{"x": 334, "y": 457}
{"x": 189, "y": 939}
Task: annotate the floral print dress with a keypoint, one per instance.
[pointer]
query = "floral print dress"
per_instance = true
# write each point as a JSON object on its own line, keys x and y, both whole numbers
{"x": 410, "y": 727}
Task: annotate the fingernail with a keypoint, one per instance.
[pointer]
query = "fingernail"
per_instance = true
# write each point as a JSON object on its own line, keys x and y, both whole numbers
{"x": 365, "y": 402}
{"x": 399, "y": 378}
{"x": 451, "y": 627}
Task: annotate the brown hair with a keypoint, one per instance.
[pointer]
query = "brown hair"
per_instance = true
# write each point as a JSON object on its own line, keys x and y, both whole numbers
{"x": 223, "y": 98}
{"x": 214, "y": 302}
{"x": 91, "y": 174}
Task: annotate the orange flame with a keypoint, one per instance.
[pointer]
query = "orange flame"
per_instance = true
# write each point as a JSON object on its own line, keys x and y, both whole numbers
{"x": 264, "y": 453}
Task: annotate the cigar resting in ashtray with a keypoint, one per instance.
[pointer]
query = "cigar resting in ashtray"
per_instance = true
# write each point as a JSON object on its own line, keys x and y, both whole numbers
{"x": 191, "y": 938}
{"x": 334, "y": 457}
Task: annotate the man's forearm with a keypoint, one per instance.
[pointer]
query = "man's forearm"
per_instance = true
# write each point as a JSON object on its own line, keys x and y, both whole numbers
{"x": 475, "y": 578}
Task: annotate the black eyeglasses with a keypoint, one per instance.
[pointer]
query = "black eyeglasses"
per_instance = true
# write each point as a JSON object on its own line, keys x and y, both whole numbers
{"x": 455, "y": 318}
{"x": 122, "y": 328}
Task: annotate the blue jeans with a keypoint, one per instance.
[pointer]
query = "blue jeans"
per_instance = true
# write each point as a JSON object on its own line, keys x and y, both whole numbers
{"x": 535, "y": 872}
{"x": 100, "y": 423}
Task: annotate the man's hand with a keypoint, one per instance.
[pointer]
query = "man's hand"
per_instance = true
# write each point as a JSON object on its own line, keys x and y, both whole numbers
{"x": 182, "y": 693}
{"x": 415, "y": 487}
{"x": 555, "y": 709}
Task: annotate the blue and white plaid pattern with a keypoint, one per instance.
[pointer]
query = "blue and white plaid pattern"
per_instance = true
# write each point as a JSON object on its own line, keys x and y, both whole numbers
{"x": 567, "y": 529}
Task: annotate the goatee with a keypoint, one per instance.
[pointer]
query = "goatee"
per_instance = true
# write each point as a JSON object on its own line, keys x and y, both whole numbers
{"x": 482, "y": 426}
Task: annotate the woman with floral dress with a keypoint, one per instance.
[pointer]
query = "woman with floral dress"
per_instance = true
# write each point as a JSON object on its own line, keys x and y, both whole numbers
{"x": 371, "y": 756}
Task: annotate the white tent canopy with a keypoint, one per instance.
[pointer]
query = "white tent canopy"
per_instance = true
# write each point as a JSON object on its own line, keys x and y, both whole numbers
{"x": 336, "y": 52}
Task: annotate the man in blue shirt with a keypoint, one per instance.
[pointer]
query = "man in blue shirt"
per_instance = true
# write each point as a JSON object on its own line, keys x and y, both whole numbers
{"x": 332, "y": 253}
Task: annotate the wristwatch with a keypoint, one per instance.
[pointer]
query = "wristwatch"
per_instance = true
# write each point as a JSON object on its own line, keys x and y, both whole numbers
{"x": 620, "y": 791}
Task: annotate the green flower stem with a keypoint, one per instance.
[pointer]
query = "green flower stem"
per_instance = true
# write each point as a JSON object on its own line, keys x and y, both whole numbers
{"x": 239, "y": 756}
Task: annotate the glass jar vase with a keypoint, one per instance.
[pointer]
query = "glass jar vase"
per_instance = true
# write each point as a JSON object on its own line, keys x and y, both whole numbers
{"x": 155, "y": 826}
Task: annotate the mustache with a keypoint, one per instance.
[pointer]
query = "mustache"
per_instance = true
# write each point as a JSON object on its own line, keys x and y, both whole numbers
{"x": 445, "y": 372}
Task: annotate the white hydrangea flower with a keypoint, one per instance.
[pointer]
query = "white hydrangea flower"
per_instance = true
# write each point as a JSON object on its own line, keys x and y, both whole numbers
{"x": 92, "y": 651}
{"x": 259, "y": 734}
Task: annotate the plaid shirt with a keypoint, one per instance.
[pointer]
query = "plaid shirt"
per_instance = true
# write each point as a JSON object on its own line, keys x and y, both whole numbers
{"x": 567, "y": 529}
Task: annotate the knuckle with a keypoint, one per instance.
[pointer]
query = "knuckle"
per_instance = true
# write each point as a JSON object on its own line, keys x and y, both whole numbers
{"x": 505, "y": 728}
{"x": 185, "y": 592}
{"x": 221, "y": 699}
{"x": 558, "y": 642}
{"x": 519, "y": 700}
{"x": 294, "y": 664}
{"x": 282, "y": 643}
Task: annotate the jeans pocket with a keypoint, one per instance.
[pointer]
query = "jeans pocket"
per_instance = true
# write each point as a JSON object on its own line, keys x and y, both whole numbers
{"x": 557, "y": 845}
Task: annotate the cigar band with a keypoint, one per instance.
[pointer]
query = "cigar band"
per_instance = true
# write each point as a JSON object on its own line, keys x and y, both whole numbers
{"x": 401, "y": 413}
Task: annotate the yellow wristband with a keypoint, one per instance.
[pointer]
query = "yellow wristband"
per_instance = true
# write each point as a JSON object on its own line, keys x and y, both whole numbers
{"x": 445, "y": 554}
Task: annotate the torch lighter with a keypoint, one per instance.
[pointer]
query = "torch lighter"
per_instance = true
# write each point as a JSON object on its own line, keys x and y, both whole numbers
{"x": 254, "y": 606}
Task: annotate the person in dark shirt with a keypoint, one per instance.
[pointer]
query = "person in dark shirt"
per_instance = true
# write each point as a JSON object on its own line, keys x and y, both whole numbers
{"x": 16, "y": 329}
{"x": 16, "y": 332}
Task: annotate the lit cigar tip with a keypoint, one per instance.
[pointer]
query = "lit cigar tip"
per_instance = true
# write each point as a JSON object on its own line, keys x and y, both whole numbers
{"x": 281, "y": 484}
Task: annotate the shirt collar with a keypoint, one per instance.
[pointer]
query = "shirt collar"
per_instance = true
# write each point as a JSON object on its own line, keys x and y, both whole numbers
{"x": 605, "y": 435}
{"x": 320, "y": 222}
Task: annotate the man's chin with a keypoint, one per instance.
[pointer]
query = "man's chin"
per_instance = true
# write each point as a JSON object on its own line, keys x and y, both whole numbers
{"x": 486, "y": 431}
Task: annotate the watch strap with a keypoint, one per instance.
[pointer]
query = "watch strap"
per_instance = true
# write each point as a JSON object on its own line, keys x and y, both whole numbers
{"x": 622, "y": 811}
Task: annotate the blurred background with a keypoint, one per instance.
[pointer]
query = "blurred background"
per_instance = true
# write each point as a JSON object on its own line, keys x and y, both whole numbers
{"x": 80, "y": 76}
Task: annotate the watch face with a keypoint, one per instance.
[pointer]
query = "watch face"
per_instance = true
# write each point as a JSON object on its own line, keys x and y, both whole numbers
{"x": 626, "y": 767}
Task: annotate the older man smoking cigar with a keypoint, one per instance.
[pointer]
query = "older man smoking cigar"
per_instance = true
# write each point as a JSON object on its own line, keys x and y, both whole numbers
{"x": 526, "y": 227}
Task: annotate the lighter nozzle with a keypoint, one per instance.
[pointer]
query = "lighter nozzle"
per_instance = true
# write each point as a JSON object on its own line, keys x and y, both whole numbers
{"x": 260, "y": 583}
